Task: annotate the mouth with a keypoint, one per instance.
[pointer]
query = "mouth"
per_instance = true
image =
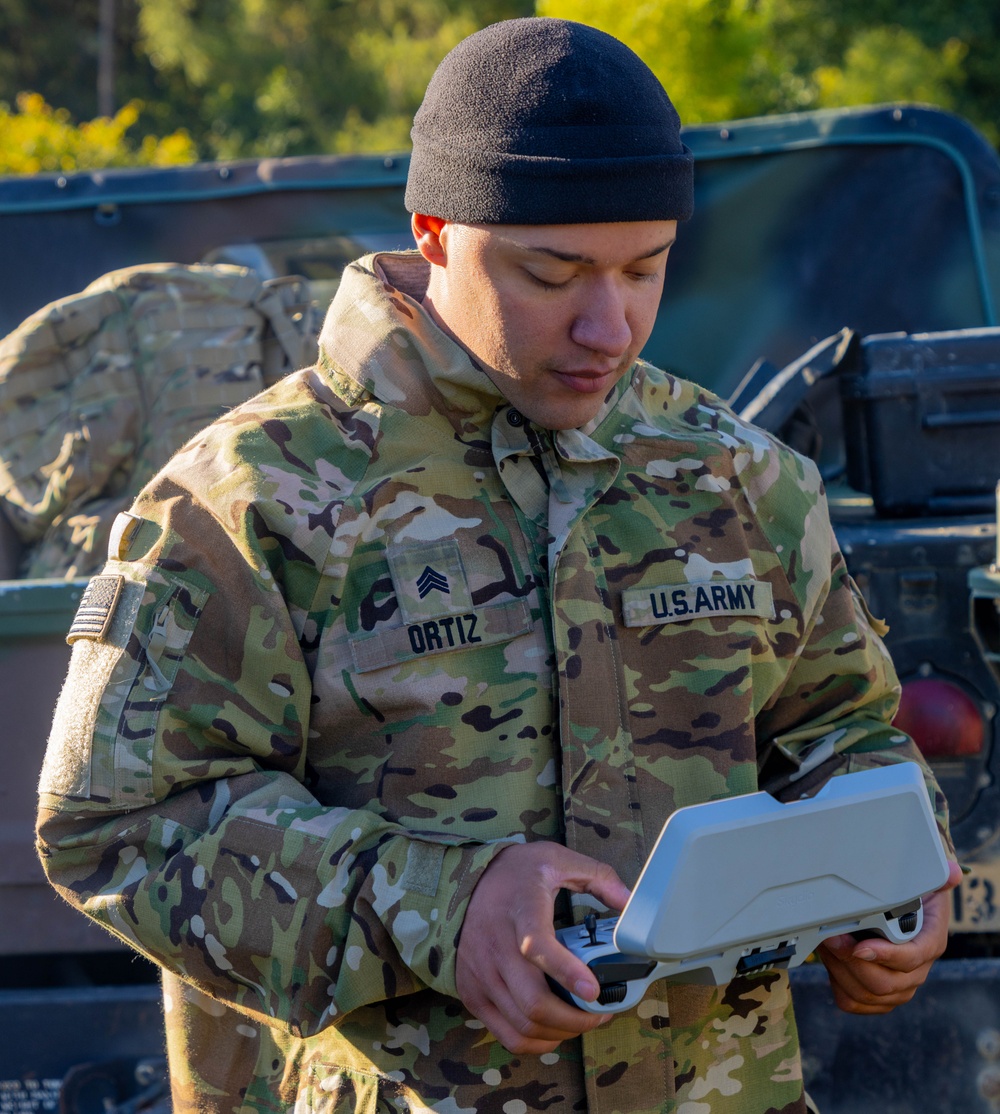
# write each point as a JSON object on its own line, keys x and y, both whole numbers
{"x": 588, "y": 381}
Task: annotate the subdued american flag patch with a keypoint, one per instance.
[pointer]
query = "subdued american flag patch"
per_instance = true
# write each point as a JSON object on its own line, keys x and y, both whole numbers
{"x": 97, "y": 606}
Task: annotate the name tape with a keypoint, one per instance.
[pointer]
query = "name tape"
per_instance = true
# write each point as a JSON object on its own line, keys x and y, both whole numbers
{"x": 496, "y": 623}
{"x": 673, "y": 603}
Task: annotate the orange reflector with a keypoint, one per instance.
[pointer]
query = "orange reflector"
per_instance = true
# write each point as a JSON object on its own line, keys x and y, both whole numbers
{"x": 943, "y": 720}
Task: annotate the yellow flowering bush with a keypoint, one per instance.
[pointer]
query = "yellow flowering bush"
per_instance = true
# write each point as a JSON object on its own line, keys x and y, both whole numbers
{"x": 35, "y": 137}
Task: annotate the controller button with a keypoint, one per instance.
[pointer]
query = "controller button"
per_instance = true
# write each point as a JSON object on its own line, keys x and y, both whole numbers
{"x": 612, "y": 992}
{"x": 775, "y": 959}
{"x": 907, "y": 923}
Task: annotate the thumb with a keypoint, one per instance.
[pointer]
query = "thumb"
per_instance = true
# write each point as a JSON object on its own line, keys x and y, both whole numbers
{"x": 954, "y": 876}
{"x": 840, "y": 946}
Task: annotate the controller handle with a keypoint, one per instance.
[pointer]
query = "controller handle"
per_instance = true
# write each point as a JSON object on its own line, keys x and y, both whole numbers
{"x": 624, "y": 978}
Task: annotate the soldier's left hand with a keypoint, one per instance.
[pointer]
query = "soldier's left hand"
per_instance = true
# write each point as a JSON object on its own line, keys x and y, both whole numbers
{"x": 874, "y": 976}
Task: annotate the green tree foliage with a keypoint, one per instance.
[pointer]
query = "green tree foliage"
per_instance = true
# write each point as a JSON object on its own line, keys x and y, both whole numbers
{"x": 51, "y": 46}
{"x": 710, "y": 54}
{"x": 278, "y": 77}
{"x": 958, "y": 41}
{"x": 246, "y": 77}
{"x": 283, "y": 77}
{"x": 725, "y": 59}
{"x": 34, "y": 137}
{"x": 889, "y": 64}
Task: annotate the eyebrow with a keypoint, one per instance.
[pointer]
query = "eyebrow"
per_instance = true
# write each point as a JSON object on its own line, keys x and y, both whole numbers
{"x": 573, "y": 257}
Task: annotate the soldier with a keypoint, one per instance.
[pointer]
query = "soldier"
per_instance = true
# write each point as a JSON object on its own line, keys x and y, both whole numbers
{"x": 393, "y": 658}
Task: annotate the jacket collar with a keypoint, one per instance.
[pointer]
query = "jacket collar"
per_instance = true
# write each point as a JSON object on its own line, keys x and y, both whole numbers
{"x": 379, "y": 335}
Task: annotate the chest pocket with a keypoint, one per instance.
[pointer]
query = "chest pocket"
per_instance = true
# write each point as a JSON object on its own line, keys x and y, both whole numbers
{"x": 471, "y": 590}
{"x": 703, "y": 657}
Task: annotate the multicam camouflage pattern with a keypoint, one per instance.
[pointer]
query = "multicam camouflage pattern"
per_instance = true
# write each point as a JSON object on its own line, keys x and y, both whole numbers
{"x": 370, "y": 630}
{"x": 98, "y": 390}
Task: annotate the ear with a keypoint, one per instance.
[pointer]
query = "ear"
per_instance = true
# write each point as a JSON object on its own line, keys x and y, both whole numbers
{"x": 427, "y": 233}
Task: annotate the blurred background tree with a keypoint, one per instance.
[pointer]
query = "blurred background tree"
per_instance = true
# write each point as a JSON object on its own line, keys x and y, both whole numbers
{"x": 232, "y": 78}
{"x": 243, "y": 77}
{"x": 35, "y": 137}
{"x": 726, "y": 59}
{"x": 281, "y": 77}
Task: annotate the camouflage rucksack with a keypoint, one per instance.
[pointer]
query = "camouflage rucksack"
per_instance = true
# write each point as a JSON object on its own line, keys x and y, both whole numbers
{"x": 98, "y": 390}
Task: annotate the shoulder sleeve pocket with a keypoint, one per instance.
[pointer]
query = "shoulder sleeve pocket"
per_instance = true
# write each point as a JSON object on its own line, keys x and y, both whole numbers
{"x": 117, "y": 685}
{"x": 156, "y": 650}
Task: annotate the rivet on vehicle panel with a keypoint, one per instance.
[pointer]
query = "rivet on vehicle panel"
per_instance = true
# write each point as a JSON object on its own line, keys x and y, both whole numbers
{"x": 107, "y": 214}
{"x": 988, "y": 1044}
{"x": 988, "y": 1084}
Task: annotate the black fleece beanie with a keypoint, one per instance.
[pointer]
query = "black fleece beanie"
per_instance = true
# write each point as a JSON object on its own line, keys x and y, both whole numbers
{"x": 546, "y": 121}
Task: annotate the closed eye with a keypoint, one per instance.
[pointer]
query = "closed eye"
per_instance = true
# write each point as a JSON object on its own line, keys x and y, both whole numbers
{"x": 548, "y": 284}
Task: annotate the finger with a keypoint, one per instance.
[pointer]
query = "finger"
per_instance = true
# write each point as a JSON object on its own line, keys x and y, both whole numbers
{"x": 543, "y": 1010}
{"x": 873, "y": 976}
{"x": 887, "y": 956}
{"x": 870, "y": 987}
{"x": 546, "y": 954}
{"x": 937, "y": 913}
{"x": 876, "y": 962}
{"x": 875, "y": 954}
{"x": 856, "y": 998}
{"x": 535, "y": 999}
{"x": 563, "y": 869}
{"x": 516, "y": 988}
{"x": 531, "y": 916}
{"x": 954, "y": 877}
{"x": 508, "y": 944}
{"x": 875, "y": 1008}
{"x": 509, "y": 1034}
{"x": 523, "y": 1014}
{"x": 517, "y": 1032}
{"x": 884, "y": 992}
{"x": 923, "y": 949}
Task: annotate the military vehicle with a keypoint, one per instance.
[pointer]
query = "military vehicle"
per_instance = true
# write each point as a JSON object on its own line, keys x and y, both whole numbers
{"x": 838, "y": 283}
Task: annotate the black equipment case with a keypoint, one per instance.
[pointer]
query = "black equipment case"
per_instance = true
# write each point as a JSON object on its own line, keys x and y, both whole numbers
{"x": 922, "y": 421}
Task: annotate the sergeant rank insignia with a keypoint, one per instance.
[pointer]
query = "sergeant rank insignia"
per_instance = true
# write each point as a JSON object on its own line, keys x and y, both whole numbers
{"x": 431, "y": 580}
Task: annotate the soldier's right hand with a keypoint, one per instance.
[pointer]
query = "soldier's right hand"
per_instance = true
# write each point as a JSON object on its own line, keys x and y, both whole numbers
{"x": 508, "y": 945}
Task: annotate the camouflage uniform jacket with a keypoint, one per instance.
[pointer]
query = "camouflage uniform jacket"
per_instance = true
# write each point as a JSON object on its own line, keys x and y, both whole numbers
{"x": 372, "y": 626}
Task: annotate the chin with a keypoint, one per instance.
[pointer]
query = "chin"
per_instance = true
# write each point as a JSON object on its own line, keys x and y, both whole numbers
{"x": 562, "y": 421}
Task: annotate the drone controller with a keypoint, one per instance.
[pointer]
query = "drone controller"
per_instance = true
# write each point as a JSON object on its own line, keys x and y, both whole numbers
{"x": 624, "y": 978}
{"x": 856, "y": 858}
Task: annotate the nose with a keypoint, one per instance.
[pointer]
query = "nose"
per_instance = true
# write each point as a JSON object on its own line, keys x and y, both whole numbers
{"x": 602, "y": 324}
